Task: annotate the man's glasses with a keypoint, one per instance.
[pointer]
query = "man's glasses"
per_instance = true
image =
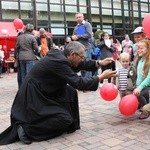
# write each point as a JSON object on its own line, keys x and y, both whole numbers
{"x": 82, "y": 57}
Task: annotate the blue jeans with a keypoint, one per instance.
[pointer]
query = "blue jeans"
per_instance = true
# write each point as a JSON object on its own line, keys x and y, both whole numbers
{"x": 25, "y": 67}
{"x": 0, "y": 67}
{"x": 88, "y": 56}
{"x": 19, "y": 77}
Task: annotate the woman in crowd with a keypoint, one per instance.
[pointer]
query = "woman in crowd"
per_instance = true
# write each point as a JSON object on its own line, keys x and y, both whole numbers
{"x": 107, "y": 49}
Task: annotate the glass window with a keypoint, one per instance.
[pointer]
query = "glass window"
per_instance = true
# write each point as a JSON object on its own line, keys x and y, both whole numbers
{"x": 125, "y": 5}
{"x": 56, "y": 8}
{"x": 82, "y": 2}
{"x": 117, "y": 20}
{"x": 117, "y": 4}
{"x": 144, "y": 0}
{"x": 72, "y": 9}
{"x": 83, "y": 9}
{"x": 45, "y": 1}
{"x": 70, "y": 17}
{"x": 58, "y": 28}
{"x": 107, "y": 28}
{"x": 7, "y": 14}
{"x": 95, "y": 3}
{"x": 41, "y": 7}
{"x": 117, "y": 13}
{"x": 136, "y": 14}
{"x": 106, "y": 11}
{"x": 9, "y": 10}
{"x": 126, "y": 13}
{"x": 144, "y": 7}
{"x": 143, "y": 14}
{"x": 25, "y": 0}
{"x": 56, "y": 1}
{"x": 72, "y": 2}
{"x": 10, "y": 5}
{"x": 106, "y": 4}
{"x": 26, "y": 10}
{"x": 42, "y": 11}
{"x": 95, "y": 19}
{"x": 56, "y": 16}
{"x": 42, "y": 15}
{"x": 95, "y": 10}
{"x": 26, "y": 6}
{"x": 135, "y": 6}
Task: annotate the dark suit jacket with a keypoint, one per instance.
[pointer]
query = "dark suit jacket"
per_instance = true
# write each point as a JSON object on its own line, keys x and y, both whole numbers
{"x": 44, "y": 105}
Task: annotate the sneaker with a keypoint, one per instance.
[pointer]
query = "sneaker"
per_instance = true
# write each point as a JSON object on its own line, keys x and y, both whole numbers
{"x": 144, "y": 115}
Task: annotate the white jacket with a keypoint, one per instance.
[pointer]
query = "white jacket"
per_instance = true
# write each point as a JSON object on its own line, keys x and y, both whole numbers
{"x": 1, "y": 55}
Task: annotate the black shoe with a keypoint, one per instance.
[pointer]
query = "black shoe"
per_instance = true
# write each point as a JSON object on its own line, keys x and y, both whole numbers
{"x": 22, "y": 136}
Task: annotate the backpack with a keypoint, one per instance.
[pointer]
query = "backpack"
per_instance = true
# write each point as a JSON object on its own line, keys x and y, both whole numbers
{"x": 131, "y": 82}
{"x": 96, "y": 52}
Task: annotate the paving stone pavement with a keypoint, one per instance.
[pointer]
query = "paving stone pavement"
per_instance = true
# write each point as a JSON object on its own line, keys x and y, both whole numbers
{"x": 102, "y": 125}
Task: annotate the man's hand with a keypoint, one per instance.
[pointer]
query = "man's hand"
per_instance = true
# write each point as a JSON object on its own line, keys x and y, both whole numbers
{"x": 74, "y": 37}
{"x": 107, "y": 74}
{"x": 105, "y": 61}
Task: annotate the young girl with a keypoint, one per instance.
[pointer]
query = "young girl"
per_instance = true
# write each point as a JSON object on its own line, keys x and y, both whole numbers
{"x": 142, "y": 90}
{"x": 1, "y": 59}
{"x": 126, "y": 75}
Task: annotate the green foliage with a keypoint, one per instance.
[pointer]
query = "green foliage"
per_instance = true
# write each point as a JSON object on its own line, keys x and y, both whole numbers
{"x": 98, "y": 33}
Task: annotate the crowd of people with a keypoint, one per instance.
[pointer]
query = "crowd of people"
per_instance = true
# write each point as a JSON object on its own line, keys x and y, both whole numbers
{"x": 46, "y": 104}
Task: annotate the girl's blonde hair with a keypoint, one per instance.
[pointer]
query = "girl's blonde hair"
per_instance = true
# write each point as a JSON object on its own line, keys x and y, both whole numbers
{"x": 146, "y": 66}
{"x": 124, "y": 55}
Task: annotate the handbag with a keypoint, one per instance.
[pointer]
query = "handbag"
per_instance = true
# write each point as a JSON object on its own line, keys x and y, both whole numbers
{"x": 16, "y": 64}
{"x": 131, "y": 80}
{"x": 37, "y": 58}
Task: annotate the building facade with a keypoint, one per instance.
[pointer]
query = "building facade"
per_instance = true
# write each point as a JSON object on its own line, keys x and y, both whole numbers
{"x": 117, "y": 17}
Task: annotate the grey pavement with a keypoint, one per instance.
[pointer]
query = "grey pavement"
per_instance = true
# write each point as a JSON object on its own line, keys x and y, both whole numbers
{"x": 102, "y": 125}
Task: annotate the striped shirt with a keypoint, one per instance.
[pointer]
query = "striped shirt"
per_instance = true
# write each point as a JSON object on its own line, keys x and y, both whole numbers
{"x": 122, "y": 78}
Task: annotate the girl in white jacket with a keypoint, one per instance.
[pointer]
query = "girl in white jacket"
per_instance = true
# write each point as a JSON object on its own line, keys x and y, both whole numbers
{"x": 1, "y": 59}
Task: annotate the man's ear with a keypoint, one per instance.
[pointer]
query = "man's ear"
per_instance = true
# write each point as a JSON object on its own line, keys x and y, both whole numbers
{"x": 72, "y": 53}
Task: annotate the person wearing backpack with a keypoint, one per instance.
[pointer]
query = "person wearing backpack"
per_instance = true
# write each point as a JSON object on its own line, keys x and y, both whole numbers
{"x": 126, "y": 75}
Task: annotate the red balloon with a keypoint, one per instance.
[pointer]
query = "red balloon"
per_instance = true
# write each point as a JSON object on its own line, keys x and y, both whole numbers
{"x": 108, "y": 91}
{"x": 18, "y": 23}
{"x": 146, "y": 24}
{"x": 128, "y": 105}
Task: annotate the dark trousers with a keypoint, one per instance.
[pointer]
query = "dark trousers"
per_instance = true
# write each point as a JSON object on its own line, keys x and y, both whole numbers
{"x": 19, "y": 77}
{"x": 42, "y": 117}
{"x": 0, "y": 67}
{"x": 144, "y": 96}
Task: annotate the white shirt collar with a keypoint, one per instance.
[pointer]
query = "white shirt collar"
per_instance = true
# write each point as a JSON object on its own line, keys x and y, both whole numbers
{"x": 83, "y": 22}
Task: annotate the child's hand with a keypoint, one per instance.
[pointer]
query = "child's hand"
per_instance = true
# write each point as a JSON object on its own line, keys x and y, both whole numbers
{"x": 136, "y": 91}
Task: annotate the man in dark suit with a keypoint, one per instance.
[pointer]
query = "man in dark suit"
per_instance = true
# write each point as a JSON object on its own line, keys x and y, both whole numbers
{"x": 46, "y": 105}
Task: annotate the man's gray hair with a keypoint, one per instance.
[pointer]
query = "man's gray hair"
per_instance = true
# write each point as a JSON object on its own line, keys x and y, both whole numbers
{"x": 77, "y": 13}
{"x": 29, "y": 27}
{"x": 73, "y": 46}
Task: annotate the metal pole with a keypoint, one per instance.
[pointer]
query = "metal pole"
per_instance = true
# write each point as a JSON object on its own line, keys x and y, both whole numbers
{"x": 132, "y": 9}
{"x": 35, "y": 15}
